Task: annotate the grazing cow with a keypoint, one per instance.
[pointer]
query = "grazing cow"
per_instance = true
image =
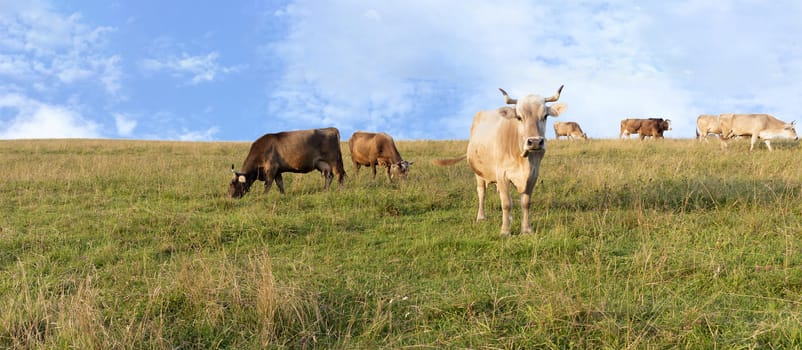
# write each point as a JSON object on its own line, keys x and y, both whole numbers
{"x": 758, "y": 126}
{"x": 707, "y": 124}
{"x": 571, "y": 130}
{"x": 506, "y": 145}
{"x": 372, "y": 149}
{"x": 644, "y": 127}
{"x": 298, "y": 151}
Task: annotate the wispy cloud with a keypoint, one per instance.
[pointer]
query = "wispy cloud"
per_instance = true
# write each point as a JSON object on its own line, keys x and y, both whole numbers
{"x": 125, "y": 124}
{"x": 40, "y": 46}
{"x": 431, "y": 65}
{"x": 35, "y": 119}
{"x": 197, "y": 69}
{"x": 198, "y": 135}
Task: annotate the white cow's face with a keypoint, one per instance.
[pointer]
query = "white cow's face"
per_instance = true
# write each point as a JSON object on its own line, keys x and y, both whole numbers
{"x": 531, "y": 112}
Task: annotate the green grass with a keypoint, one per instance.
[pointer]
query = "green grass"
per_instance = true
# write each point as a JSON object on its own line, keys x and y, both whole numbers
{"x": 132, "y": 244}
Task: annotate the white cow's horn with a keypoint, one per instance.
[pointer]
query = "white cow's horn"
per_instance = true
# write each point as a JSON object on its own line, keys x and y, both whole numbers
{"x": 556, "y": 96}
{"x": 507, "y": 99}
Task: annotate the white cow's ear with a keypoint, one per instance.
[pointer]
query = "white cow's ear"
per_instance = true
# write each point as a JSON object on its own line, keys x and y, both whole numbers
{"x": 508, "y": 113}
{"x": 556, "y": 109}
{"x": 241, "y": 178}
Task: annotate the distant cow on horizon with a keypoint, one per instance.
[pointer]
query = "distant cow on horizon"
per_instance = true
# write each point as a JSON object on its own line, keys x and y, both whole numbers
{"x": 707, "y": 124}
{"x": 571, "y": 130}
{"x": 758, "y": 126}
{"x": 644, "y": 127}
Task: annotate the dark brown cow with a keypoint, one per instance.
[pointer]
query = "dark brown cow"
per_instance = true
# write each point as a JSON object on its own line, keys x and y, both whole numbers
{"x": 644, "y": 127}
{"x": 372, "y": 149}
{"x": 298, "y": 151}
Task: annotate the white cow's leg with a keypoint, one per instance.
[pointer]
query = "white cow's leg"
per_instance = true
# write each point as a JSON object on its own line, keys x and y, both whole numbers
{"x": 752, "y": 144}
{"x": 481, "y": 188}
{"x": 506, "y": 204}
{"x": 768, "y": 144}
{"x": 525, "y": 228}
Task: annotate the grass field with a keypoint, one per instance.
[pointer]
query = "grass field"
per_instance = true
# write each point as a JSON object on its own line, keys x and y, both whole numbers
{"x": 132, "y": 244}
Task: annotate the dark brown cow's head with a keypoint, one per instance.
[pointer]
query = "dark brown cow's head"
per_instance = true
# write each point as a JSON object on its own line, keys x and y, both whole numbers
{"x": 531, "y": 111}
{"x": 239, "y": 185}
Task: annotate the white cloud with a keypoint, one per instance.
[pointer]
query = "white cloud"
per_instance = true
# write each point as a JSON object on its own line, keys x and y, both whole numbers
{"x": 125, "y": 124}
{"x": 422, "y": 68}
{"x": 197, "y": 69}
{"x": 41, "y": 46}
{"x": 35, "y": 119}
{"x": 198, "y": 135}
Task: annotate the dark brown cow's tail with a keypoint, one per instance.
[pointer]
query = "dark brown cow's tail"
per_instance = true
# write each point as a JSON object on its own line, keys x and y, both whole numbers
{"x": 339, "y": 167}
{"x": 449, "y": 161}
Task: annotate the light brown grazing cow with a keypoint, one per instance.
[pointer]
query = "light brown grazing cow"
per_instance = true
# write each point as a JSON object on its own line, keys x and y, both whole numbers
{"x": 372, "y": 149}
{"x": 644, "y": 127}
{"x": 758, "y": 126}
{"x": 298, "y": 151}
{"x": 571, "y": 130}
{"x": 506, "y": 146}
{"x": 707, "y": 124}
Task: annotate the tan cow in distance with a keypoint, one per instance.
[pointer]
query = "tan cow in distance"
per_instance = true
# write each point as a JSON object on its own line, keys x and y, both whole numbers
{"x": 758, "y": 126}
{"x": 707, "y": 124}
{"x": 372, "y": 149}
{"x": 506, "y": 146}
{"x": 571, "y": 130}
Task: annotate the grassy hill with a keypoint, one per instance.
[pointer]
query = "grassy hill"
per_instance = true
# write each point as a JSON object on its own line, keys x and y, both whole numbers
{"x": 133, "y": 244}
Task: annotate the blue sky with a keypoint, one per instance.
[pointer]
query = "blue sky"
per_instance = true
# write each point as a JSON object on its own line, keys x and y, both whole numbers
{"x": 417, "y": 69}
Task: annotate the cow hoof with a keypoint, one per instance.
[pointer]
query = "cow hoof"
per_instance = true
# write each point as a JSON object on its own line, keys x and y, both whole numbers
{"x": 505, "y": 233}
{"x": 526, "y": 232}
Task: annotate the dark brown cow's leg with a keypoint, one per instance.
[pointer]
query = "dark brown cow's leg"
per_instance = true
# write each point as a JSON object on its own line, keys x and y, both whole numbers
{"x": 325, "y": 169}
{"x": 280, "y": 183}
{"x": 268, "y": 183}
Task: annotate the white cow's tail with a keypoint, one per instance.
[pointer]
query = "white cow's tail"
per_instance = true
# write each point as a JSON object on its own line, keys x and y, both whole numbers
{"x": 449, "y": 161}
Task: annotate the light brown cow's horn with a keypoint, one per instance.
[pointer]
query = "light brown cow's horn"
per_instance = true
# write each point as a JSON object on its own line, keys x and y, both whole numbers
{"x": 507, "y": 99}
{"x": 556, "y": 96}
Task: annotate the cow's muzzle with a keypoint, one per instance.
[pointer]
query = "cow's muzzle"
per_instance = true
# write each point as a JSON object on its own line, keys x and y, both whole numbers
{"x": 533, "y": 144}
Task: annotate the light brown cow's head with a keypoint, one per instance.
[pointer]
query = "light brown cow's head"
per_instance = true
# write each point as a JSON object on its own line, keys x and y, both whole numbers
{"x": 400, "y": 169}
{"x": 531, "y": 112}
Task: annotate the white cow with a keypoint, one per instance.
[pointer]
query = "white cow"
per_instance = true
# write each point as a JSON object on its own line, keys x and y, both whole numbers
{"x": 759, "y": 126}
{"x": 506, "y": 146}
{"x": 707, "y": 124}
